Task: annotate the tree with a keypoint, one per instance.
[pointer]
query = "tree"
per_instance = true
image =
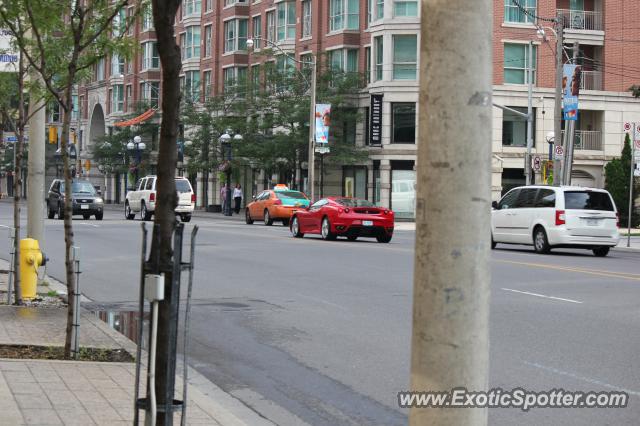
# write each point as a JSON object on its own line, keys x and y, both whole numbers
{"x": 62, "y": 41}
{"x": 617, "y": 176}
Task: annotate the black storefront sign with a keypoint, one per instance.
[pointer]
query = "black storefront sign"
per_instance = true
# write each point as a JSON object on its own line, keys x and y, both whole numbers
{"x": 375, "y": 120}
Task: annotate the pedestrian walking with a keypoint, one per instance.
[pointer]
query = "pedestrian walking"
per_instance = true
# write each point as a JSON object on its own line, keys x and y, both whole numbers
{"x": 223, "y": 197}
{"x": 237, "y": 197}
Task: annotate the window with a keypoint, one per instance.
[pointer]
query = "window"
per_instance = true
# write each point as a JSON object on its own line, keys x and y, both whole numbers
{"x": 509, "y": 200}
{"x": 516, "y": 58}
{"x": 403, "y": 122}
{"x": 527, "y": 198}
{"x": 354, "y": 184}
{"x": 286, "y": 29}
{"x": 75, "y": 111}
{"x": 208, "y": 5}
{"x": 306, "y": 18}
{"x": 513, "y": 13}
{"x": 147, "y": 18}
{"x": 256, "y": 31}
{"x": 192, "y": 42}
{"x": 235, "y": 35}
{"x": 117, "y": 66}
{"x": 192, "y": 85}
{"x": 367, "y": 64}
{"x": 191, "y": 7}
{"x": 378, "y": 44}
{"x": 285, "y": 63}
{"x": 514, "y": 128}
{"x": 271, "y": 25}
{"x": 403, "y": 192}
{"x": 255, "y": 77}
{"x": 406, "y": 8}
{"x": 150, "y": 57}
{"x": 546, "y": 198}
{"x": 344, "y": 15}
{"x": 100, "y": 70}
{"x": 405, "y": 57}
{"x": 587, "y": 200}
{"x": 119, "y": 23}
{"x": 375, "y": 10}
{"x": 129, "y": 97}
{"x": 232, "y": 2}
{"x": 206, "y": 84}
{"x": 207, "y": 41}
{"x": 54, "y": 112}
{"x": 149, "y": 92}
{"x": 117, "y": 99}
{"x": 344, "y": 60}
{"x": 233, "y": 76}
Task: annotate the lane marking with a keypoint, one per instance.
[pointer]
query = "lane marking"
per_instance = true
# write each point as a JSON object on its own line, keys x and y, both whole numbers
{"x": 609, "y": 274}
{"x": 581, "y": 378}
{"x": 542, "y": 295}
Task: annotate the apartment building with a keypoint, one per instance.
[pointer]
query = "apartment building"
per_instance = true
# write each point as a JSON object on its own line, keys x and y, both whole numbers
{"x": 381, "y": 39}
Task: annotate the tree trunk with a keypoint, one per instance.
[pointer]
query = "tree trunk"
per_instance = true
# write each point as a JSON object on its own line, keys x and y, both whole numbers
{"x": 160, "y": 257}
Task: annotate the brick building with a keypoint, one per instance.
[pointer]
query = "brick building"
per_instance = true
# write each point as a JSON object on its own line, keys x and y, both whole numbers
{"x": 381, "y": 39}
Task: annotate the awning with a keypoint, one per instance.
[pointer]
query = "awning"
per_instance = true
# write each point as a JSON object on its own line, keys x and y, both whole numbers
{"x": 137, "y": 120}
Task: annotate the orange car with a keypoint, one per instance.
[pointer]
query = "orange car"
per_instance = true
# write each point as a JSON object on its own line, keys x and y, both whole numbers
{"x": 275, "y": 204}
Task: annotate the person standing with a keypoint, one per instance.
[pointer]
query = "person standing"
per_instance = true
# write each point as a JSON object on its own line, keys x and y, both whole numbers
{"x": 237, "y": 197}
{"x": 223, "y": 197}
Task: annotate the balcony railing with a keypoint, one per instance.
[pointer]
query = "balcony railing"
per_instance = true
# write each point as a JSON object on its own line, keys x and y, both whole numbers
{"x": 587, "y": 140}
{"x": 591, "y": 80}
{"x": 581, "y": 19}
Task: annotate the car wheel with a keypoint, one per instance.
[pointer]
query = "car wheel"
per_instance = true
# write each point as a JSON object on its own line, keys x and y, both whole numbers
{"x": 60, "y": 211}
{"x": 267, "y": 218}
{"x": 493, "y": 243}
{"x": 601, "y": 251}
{"x": 384, "y": 238}
{"x": 99, "y": 215}
{"x": 128, "y": 214}
{"x": 50, "y": 213}
{"x": 326, "y": 230}
{"x": 540, "y": 241}
{"x": 295, "y": 228}
{"x": 352, "y": 237}
{"x": 247, "y": 217}
{"x": 144, "y": 214}
{"x": 185, "y": 218}
{"x": 285, "y": 222}
{"x": 86, "y": 216}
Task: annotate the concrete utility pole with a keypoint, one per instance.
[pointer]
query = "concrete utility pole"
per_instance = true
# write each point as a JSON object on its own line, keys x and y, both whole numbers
{"x": 451, "y": 277}
{"x": 527, "y": 165}
{"x": 557, "y": 110}
{"x": 570, "y": 131}
{"x": 312, "y": 132}
{"x": 35, "y": 177}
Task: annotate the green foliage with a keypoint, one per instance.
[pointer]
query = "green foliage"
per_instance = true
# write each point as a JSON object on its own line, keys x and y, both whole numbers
{"x": 617, "y": 173}
{"x": 635, "y": 90}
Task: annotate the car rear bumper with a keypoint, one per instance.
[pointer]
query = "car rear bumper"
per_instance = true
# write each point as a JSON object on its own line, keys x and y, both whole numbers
{"x": 562, "y": 238}
{"x": 363, "y": 231}
{"x": 184, "y": 209}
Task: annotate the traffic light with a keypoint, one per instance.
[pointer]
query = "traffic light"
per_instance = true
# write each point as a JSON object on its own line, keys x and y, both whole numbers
{"x": 53, "y": 135}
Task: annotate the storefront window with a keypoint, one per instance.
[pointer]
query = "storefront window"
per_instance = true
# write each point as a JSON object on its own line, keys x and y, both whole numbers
{"x": 403, "y": 193}
{"x": 355, "y": 182}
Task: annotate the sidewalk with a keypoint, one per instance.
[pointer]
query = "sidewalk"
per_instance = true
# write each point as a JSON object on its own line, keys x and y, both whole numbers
{"x": 44, "y": 392}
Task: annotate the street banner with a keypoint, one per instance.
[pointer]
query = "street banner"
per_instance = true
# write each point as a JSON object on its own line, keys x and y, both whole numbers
{"x": 375, "y": 120}
{"x": 323, "y": 121}
{"x": 571, "y": 90}
{"x": 8, "y": 56}
{"x": 636, "y": 132}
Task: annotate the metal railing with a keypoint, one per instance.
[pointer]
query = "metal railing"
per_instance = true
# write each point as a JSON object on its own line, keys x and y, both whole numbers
{"x": 581, "y": 19}
{"x": 587, "y": 140}
{"x": 591, "y": 80}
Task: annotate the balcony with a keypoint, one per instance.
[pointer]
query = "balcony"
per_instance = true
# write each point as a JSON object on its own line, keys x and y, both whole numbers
{"x": 587, "y": 140}
{"x": 591, "y": 80}
{"x": 581, "y": 20}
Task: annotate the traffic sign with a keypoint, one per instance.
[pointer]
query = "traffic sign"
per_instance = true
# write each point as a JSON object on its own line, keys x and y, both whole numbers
{"x": 537, "y": 163}
{"x": 322, "y": 149}
{"x": 636, "y": 134}
{"x": 558, "y": 153}
{"x": 637, "y": 144}
{"x": 627, "y": 126}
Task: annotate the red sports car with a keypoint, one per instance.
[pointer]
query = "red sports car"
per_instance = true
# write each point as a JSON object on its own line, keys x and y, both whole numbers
{"x": 332, "y": 217}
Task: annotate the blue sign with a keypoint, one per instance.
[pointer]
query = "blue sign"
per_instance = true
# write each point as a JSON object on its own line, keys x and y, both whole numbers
{"x": 571, "y": 90}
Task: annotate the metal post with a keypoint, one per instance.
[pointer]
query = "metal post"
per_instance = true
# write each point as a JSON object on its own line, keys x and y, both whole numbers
{"x": 570, "y": 130}
{"x": 12, "y": 253}
{"x": 452, "y": 273}
{"x": 527, "y": 165}
{"x": 633, "y": 153}
{"x": 322, "y": 175}
{"x": 312, "y": 131}
{"x": 75, "y": 331}
{"x": 557, "y": 111}
{"x": 228, "y": 202}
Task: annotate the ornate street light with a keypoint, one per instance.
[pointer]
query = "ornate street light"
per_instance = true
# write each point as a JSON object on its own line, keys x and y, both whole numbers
{"x": 137, "y": 146}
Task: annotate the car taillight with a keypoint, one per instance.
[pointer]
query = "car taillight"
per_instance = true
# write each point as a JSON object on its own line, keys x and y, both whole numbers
{"x": 152, "y": 196}
{"x": 386, "y": 212}
{"x": 193, "y": 198}
{"x": 347, "y": 210}
{"x": 618, "y": 219}
{"x": 560, "y": 219}
{"x": 277, "y": 201}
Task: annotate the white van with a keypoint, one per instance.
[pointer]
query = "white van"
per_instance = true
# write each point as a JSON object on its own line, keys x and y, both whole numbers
{"x": 548, "y": 217}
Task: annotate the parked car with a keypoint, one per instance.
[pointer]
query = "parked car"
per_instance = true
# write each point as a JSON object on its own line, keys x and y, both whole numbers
{"x": 334, "y": 217}
{"x": 275, "y": 204}
{"x": 549, "y": 217}
{"x": 85, "y": 199}
{"x": 143, "y": 199}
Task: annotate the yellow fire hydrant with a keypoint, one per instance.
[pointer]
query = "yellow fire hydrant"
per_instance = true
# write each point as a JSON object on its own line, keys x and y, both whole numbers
{"x": 31, "y": 258}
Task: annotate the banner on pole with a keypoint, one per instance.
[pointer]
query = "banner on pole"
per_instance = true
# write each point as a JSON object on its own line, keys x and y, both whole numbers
{"x": 8, "y": 57}
{"x": 571, "y": 89}
{"x": 323, "y": 121}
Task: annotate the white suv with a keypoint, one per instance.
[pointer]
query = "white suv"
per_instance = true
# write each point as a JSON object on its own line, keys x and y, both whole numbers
{"x": 548, "y": 217}
{"x": 143, "y": 199}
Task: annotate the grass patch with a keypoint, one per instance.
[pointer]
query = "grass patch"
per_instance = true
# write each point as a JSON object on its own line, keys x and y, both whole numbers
{"x": 52, "y": 293}
{"x": 57, "y": 353}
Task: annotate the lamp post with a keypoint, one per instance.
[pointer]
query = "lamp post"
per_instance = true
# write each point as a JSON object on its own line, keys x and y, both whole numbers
{"x": 137, "y": 146}
{"x": 312, "y": 113}
{"x": 225, "y": 143}
{"x": 550, "y": 140}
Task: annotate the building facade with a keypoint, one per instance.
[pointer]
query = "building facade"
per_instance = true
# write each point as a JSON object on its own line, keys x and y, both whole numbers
{"x": 381, "y": 39}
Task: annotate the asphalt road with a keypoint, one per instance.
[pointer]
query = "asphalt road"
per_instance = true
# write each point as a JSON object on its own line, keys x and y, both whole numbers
{"x": 318, "y": 332}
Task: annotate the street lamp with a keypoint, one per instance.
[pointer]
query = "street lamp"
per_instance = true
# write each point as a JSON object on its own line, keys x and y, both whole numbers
{"x": 225, "y": 143}
{"x": 137, "y": 146}
{"x": 551, "y": 140}
{"x": 181, "y": 145}
{"x": 312, "y": 116}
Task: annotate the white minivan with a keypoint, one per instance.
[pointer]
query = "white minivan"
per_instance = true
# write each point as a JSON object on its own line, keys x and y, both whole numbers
{"x": 552, "y": 217}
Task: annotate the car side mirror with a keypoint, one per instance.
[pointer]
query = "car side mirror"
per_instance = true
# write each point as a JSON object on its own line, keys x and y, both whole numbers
{"x": 253, "y": 197}
{"x": 99, "y": 192}
{"x": 494, "y": 205}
